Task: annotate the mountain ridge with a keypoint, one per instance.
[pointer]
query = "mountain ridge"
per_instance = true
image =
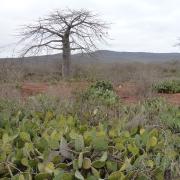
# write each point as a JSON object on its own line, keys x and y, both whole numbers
{"x": 108, "y": 56}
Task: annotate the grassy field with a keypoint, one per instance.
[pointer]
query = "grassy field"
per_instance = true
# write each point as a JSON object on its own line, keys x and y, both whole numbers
{"x": 108, "y": 121}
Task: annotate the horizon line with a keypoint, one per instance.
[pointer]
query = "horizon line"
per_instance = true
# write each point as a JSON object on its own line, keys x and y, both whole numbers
{"x": 116, "y": 51}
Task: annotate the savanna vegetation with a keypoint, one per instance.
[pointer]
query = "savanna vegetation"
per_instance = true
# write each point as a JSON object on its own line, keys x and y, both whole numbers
{"x": 92, "y": 136}
{"x": 86, "y": 121}
{"x": 115, "y": 124}
{"x": 168, "y": 86}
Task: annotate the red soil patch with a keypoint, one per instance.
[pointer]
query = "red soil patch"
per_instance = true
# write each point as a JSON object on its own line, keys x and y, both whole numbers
{"x": 66, "y": 89}
{"x": 172, "y": 98}
{"x": 128, "y": 92}
{"x": 29, "y": 89}
{"x": 62, "y": 89}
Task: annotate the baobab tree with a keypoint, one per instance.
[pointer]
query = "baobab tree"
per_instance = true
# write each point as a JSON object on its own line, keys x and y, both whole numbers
{"x": 64, "y": 31}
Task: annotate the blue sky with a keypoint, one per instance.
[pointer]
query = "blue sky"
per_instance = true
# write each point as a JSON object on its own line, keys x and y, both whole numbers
{"x": 137, "y": 25}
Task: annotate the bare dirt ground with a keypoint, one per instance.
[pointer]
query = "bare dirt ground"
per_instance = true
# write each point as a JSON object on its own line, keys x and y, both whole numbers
{"x": 131, "y": 93}
{"x": 29, "y": 89}
{"x": 172, "y": 98}
{"x": 62, "y": 89}
{"x": 128, "y": 92}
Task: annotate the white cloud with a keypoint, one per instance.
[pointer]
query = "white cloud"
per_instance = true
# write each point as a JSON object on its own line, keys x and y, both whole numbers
{"x": 141, "y": 25}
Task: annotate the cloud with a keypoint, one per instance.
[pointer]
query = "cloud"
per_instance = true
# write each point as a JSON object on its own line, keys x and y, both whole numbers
{"x": 141, "y": 25}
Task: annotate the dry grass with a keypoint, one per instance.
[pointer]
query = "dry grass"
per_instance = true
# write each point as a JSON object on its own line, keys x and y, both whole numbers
{"x": 10, "y": 71}
{"x": 9, "y": 91}
{"x": 140, "y": 74}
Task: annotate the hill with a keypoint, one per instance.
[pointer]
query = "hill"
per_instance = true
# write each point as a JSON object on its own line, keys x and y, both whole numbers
{"x": 106, "y": 56}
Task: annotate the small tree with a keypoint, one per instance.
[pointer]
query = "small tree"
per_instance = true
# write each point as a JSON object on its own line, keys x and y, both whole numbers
{"x": 65, "y": 31}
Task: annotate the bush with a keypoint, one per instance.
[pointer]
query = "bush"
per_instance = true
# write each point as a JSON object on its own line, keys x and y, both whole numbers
{"x": 170, "y": 117}
{"x": 39, "y": 142}
{"x": 168, "y": 86}
{"x": 101, "y": 91}
{"x": 164, "y": 114}
{"x": 103, "y": 85}
{"x": 45, "y": 145}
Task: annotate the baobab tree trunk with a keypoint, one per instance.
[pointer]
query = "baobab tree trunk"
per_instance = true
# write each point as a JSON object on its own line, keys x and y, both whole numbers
{"x": 64, "y": 31}
{"x": 66, "y": 64}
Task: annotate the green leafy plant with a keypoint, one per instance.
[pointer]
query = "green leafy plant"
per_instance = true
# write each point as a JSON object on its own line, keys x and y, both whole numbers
{"x": 168, "y": 86}
{"x": 104, "y": 85}
{"x": 101, "y": 91}
{"x": 165, "y": 114}
{"x": 171, "y": 118}
{"x": 45, "y": 144}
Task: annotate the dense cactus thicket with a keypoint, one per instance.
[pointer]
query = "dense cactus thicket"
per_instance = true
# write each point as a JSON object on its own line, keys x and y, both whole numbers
{"x": 39, "y": 141}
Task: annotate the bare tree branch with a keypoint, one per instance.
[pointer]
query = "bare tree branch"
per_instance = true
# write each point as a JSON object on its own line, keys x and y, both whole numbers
{"x": 65, "y": 31}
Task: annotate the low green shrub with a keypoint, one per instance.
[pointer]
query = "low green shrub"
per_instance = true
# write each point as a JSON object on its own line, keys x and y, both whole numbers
{"x": 158, "y": 112}
{"x": 171, "y": 118}
{"x": 38, "y": 142}
{"x": 101, "y": 91}
{"x": 168, "y": 86}
{"x": 45, "y": 145}
{"x": 104, "y": 85}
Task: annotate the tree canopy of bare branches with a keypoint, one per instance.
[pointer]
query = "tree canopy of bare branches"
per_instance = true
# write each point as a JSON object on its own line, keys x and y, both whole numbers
{"x": 64, "y": 31}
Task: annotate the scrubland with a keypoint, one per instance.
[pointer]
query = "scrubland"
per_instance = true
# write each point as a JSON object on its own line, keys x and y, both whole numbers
{"x": 108, "y": 121}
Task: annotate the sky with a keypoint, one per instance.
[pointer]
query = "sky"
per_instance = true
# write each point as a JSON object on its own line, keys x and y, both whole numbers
{"x": 136, "y": 25}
